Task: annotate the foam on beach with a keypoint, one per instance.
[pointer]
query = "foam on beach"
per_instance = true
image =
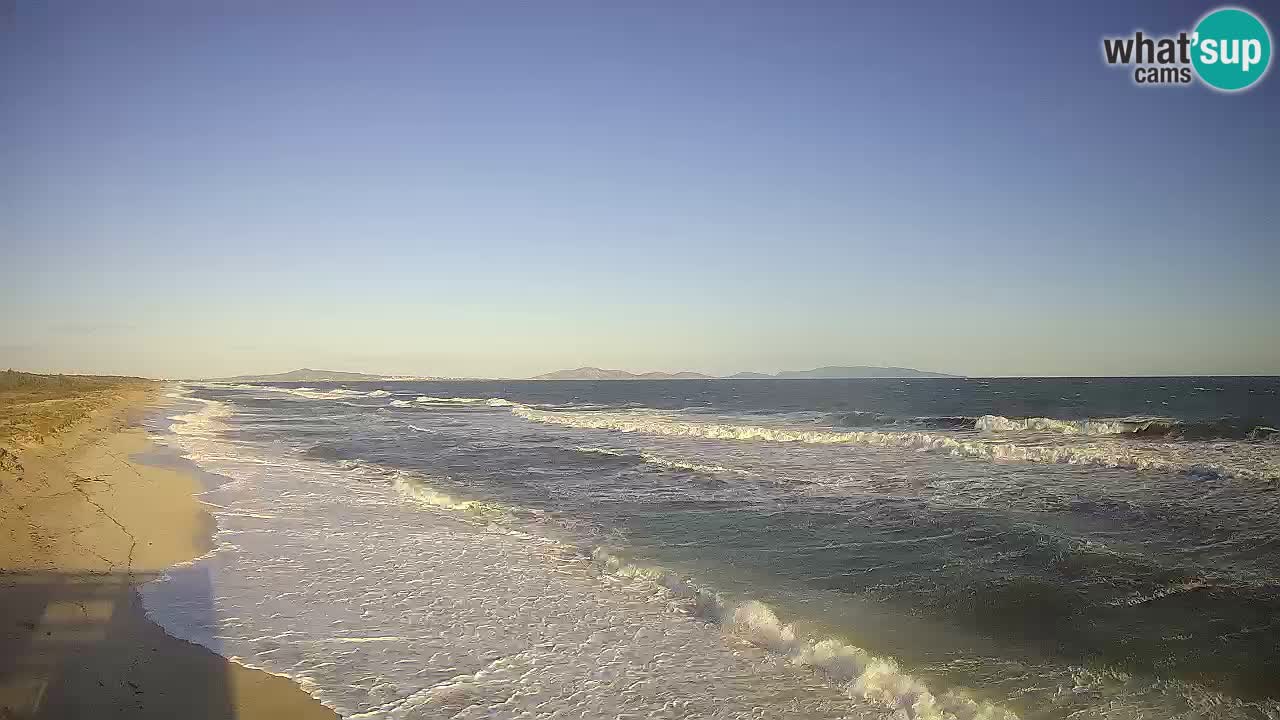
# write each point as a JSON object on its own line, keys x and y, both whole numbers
{"x": 501, "y": 622}
{"x": 391, "y": 593}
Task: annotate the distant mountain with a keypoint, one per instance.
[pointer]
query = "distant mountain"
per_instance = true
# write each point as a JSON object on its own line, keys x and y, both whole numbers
{"x": 836, "y": 372}
{"x": 594, "y": 373}
{"x": 828, "y": 373}
{"x": 309, "y": 375}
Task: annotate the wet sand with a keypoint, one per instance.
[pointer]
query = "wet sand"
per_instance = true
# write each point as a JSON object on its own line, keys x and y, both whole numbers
{"x": 81, "y": 525}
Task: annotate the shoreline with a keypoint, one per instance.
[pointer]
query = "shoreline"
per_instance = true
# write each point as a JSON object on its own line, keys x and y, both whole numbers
{"x": 83, "y": 523}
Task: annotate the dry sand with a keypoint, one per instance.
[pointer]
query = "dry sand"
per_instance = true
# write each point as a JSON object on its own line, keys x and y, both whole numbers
{"x": 81, "y": 524}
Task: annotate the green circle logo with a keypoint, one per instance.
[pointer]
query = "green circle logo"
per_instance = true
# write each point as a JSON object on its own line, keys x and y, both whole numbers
{"x": 1231, "y": 49}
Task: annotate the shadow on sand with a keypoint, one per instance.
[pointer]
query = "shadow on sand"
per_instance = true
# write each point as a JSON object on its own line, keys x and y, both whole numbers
{"x": 78, "y": 645}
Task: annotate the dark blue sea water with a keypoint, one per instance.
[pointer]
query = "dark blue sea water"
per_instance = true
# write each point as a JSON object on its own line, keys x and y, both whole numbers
{"x": 931, "y": 548}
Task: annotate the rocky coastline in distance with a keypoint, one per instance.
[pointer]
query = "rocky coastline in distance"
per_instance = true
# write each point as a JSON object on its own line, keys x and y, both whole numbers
{"x": 831, "y": 372}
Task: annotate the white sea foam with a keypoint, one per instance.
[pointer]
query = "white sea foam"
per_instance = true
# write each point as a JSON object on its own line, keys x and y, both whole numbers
{"x": 209, "y": 418}
{"x": 400, "y": 403}
{"x": 690, "y": 466}
{"x": 439, "y": 598}
{"x": 665, "y": 462}
{"x": 602, "y": 451}
{"x": 491, "y": 402}
{"x": 306, "y": 393}
{"x": 998, "y": 423}
{"x": 401, "y": 601}
{"x": 314, "y": 394}
{"x": 1174, "y": 589}
{"x": 857, "y": 672}
{"x": 1115, "y": 455}
{"x": 1215, "y": 459}
{"x": 420, "y": 492}
{"x": 1118, "y": 426}
{"x": 395, "y": 599}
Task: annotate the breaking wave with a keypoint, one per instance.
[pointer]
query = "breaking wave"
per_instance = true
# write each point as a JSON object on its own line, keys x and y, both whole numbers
{"x": 663, "y": 462}
{"x": 308, "y": 393}
{"x": 417, "y": 491}
{"x": 863, "y": 418}
{"x": 313, "y": 394}
{"x": 984, "y": 447}
{"x": 998, "y": 424}
{"x": 1174, "y": 589}
{"x": 1152, "y": 428}
{"x": 491, "y": 402}
{"x": 1155, "y": 428}
{"x": 1112, "y": 455}
{"x": 210, "y": 416}
{"x": 859, "y": 673}
{"x": 231, "y": 386}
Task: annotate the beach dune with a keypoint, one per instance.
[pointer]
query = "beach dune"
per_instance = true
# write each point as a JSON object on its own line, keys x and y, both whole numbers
{"x": 82, "y": 523}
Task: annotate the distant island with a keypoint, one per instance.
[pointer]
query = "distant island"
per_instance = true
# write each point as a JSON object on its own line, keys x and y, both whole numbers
{"x": 309, "y": 375}
{"x": 831, "y": 372}
{"x": 594, "y": 373}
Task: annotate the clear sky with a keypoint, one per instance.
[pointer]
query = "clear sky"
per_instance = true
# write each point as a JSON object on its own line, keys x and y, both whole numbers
{"x": 507, "y": 188}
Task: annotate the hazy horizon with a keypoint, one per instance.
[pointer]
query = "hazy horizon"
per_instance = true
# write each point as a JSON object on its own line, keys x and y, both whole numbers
{"x": 711, "y": 376}
{"x": 453, "y": 191}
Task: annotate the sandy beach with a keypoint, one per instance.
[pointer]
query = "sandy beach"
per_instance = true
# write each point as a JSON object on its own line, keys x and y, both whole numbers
{"x": 82, "y": 524}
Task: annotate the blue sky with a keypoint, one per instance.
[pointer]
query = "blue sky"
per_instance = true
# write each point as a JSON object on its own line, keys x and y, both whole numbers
{"x": 502, "y": 188}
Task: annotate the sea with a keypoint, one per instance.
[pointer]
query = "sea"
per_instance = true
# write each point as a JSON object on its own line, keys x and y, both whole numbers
{"x": 893, "y": 549}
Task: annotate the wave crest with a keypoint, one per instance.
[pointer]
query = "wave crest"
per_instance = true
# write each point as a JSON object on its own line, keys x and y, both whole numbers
{"x": 1112, "y": 455}
{"x": 1155, "y": 428}
{"x": 658, "y": 460}
{"x": 859, "y": 673}
{"x": 491, "y": 402}
{"x": 999, "y": 423}
{"x": 419, "y": 492}
{"x": 308, "y": 393}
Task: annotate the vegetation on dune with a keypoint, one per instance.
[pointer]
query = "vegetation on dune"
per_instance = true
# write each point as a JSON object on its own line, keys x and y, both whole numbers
{"x": 34, "y": 406}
